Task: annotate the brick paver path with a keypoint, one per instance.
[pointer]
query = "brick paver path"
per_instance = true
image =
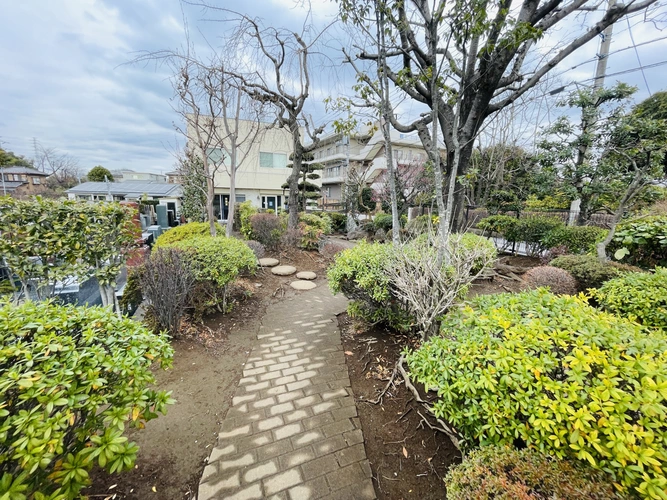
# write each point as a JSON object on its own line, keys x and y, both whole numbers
{"x": 292, "y": 431}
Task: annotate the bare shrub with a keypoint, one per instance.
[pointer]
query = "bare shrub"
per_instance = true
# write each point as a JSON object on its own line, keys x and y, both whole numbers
{"x": 166, "y": 283}
{"x": 257, "y": 248}
{"x": 330, "y": 249}
{"x": 558, "y": 280}
{"x": 429, "y": 276}
{"x": 267, "y": 229}
{"x": 291, "y": 238}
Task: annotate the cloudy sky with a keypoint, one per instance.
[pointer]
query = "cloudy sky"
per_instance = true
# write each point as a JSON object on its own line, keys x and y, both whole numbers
{"x": 66, "y": 81}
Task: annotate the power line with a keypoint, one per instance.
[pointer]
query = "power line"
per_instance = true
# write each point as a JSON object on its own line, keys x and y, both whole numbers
{"x": 632, "y": 38}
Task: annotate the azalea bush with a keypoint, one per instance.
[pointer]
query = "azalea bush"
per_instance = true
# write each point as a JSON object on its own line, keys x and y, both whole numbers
{"x": 589, "y": 271}
{"x": 72, "y": 379}
{"x": 554, "y": 374}
{"x": 639, "y": 296}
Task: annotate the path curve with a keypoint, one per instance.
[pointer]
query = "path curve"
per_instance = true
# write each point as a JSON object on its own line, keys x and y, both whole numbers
{"x": 292, "y": 431}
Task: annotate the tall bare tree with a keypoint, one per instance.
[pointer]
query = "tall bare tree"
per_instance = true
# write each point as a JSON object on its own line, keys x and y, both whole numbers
{"x": 279, "y": 75}
{"x": 466, "y": 61}
{"x": 63, "y": 169}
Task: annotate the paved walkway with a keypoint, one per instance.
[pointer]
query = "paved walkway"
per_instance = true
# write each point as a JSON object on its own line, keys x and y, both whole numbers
{"x": 292, "y": 431}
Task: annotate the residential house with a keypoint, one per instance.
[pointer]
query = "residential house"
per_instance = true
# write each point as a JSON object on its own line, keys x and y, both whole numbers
{"x": 124, "y": 175}
{"x": 365, "y": 152}
{"x": 164, "y": 194}
{"x": 262, "y": 173}
{"x": 173, "y": 177}
{"x": 21, "y": 181}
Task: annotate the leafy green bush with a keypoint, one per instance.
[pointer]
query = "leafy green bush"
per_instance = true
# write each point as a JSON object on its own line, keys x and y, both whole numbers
{"x": 71, "y": 380}
{"x": 338, "y": 221}
{"x": 641, "y": 242}
{"x": 503, "y": 473}
{"x": 132, "y": 296}
{"x": 577, "y": 239}
{"x": 267, "y": 229}
{"x": 588, "y": 270}
{"x": 501, "y": 224}
{"x": 558, "y": 375}
{"x": 639, "y": 296}
{"x": 470, "y": 241}
{"x": 501, "y": 201}
{"x": 532, "y": 231}
{"x": 383, "y": 221}
{"x": 321, "y": 222}
{"x": 215, "y": 264}
{"x": 360, "y": 274}
{"x": 246, "y": 210}
{"x": 558, "y": 201}
{"x": 185, "y": 232}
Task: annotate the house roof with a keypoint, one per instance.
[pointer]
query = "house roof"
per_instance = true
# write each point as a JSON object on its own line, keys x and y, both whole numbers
{"x": 10, "y": 186}
{"x": 17, "y": 169}
{"x": 132, "y": 189}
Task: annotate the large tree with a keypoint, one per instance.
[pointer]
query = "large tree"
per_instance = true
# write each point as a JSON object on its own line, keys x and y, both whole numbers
{"x": 466, "y": 61}
{"x": 99, "y": 174}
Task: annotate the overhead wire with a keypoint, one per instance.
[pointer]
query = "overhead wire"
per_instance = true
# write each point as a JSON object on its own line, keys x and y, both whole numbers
{"x": 632, "y": 38}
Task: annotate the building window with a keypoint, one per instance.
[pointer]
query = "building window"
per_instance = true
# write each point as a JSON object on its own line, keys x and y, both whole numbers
{"x": 36, "y": 181}
{"x": 216, "y": 155}
{"x": 240, "y": 198}
{"x": 399, "y": 154}
{"x": 332, "y": 171}
{"x": 272, "y": 160}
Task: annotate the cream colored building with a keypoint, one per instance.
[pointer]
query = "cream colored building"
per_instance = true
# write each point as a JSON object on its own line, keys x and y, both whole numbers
{"x": 263, "y": 169}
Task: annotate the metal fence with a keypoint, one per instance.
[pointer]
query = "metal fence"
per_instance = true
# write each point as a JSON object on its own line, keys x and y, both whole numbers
{"x": 475, "y": 214}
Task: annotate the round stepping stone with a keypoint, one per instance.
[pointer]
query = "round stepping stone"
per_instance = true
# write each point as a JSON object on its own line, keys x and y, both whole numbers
{"x": 306, "y": 275}
{"x": 268, "y": 262}
{"x": 302, "y": 285}
{"x": 283, "y": 270}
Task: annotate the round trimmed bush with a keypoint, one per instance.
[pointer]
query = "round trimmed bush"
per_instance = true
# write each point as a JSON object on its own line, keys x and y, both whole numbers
{"x": 557, "y": 280}
{"x": 503, "y": 473}
{"x": 639, "y": 296}
{"x": 186, "y": 232}
{"x": 71, "y": 380}
{"x": 577, "y": 239}
{"x": 383, "y": 221}
{"x": 557, "y": 375}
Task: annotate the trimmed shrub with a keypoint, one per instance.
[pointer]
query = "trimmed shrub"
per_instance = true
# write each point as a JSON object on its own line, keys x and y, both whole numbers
{"x": 470, "y": 241}
{"x": 588, "y": 270}
{"x": 641, "y": 242}
{"x": 267, "y": 229}
{"x": 557, "y": 375}
{"x": 577, "y": 239}
{"x": 501, "y": 224}
{"x": 311, "y": 236}
{"x": 215, "y": 264}
{"x": 557, "y": 280}
{"x": 503, "y": 473}
{"x": 532, "y": 231}
{"x": 383, "y": 221}
{"x": 186, "y": 232}
{"x": 321, "y": 222}
{"x": 257, "y": 248}
{"x": 71, "y": 380}
{"x": 638, "y": 296}
{"x": 245, "y": 211}
{"x": 360, "y": 274}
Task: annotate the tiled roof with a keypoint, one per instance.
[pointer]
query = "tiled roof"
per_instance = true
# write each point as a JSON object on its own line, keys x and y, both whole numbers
{"x": 14, "y": 169}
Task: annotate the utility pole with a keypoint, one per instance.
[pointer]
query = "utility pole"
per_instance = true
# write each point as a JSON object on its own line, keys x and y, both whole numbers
{"x": 598, "y": 83}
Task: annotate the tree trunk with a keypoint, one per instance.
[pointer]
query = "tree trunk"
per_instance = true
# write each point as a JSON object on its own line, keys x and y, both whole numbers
{"x": 232, "y": 201}
{"x": 210, "y": 197}
{"x": 293, "y": 181}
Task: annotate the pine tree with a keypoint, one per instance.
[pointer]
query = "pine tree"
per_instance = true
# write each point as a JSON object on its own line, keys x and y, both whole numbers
{"x": 307, "y": 190}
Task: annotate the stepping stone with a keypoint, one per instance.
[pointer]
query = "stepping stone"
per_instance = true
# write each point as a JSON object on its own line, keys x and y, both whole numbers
{"x": 283, "y": 270}
{"x": 306, "y": 275}
{"x": 268, "y": 262}
{"x": 302, "y": 285}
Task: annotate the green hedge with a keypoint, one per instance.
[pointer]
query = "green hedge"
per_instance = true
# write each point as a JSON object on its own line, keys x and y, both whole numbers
{"x": 577, "y": 239}
{"x": 503, "y": 473}
{"x": 319, "y": 220}
{"x": 558, "y": 375}
{"x": 186, "y": 232}
{"x": 639, "y": 296}
{"x": 383, "y": 221}
{"x": 71, "y": 380}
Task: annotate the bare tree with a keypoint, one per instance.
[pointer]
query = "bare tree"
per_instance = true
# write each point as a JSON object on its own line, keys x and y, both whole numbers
{"x": 63, "y": 169}
{"x": 280, "y": 75}
{"x": 467, "y": 61}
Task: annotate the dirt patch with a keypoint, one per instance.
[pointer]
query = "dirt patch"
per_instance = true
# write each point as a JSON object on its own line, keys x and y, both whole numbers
{"x": 408, "y": 460}
{"x": 208, "y": 362}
